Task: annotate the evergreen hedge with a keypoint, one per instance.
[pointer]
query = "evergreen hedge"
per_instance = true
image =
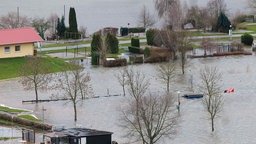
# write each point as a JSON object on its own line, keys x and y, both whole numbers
{"x": 112, "y": 44}
{"x": 133, "y": 49}
{"x": 95, "y": 58}
{"x": 136, "y": 30}
{"x": 150, "y": 34}
{"x": 96, "y": 43}
{"x": 247, "y": 39}
{"x": 135, "y": 42}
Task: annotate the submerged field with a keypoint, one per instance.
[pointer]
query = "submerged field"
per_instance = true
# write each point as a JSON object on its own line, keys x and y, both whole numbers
{"x": 235, "y": 124}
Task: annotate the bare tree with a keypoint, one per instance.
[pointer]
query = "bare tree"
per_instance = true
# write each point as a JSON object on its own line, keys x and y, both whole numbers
{"x": 184, "y": 44}
{"x": 215, "y": 7}
{"x": 145, "y": 18}
{"x": 35, "y": 74}
{"x": 121, "y": 77}
{"x": 210, "y": 86}
{"x": 147, "y": 118}
{"x": 41, "y": 25}
{"x": 168, "y": 39}
{"x": 83, "y": 31}
{"x": 53, "y": 20}
{"x": 170, "y": 10}
{"x": 252, "y": 3}
{"x": 75, "y": 86}
{"x": 206, "y": 45}
{"x": 166, "y": 72}
{"x": 137, "y": 83}
{"x": 197, "y": 16}
{"x": 13, "y": 20}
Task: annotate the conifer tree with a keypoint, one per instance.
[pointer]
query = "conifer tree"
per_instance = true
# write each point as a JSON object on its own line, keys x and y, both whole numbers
{"x": 72, "y": 20}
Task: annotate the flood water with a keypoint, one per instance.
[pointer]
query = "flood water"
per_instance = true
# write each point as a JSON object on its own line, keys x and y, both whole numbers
{"x": 96, "y": 14}
{"x": 235, "y": 125}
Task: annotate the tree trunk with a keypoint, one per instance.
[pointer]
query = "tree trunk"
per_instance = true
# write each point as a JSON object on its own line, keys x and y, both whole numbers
{"x": 168, "y": 84}
{"x": 36, "y": 93}
{"x": 75, "y": 112}
{"x": 124, "y": 90}
{"x": 212, "y": 124}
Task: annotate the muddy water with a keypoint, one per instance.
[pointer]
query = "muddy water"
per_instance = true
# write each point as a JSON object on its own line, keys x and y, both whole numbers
{"x": 237, "y": 117}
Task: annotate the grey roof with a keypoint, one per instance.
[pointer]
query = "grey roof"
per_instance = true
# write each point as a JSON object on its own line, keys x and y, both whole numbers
{"x": 83, "y": 132}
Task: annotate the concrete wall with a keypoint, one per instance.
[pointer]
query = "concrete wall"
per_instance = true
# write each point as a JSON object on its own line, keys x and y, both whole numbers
{"x": 25, "y": 49}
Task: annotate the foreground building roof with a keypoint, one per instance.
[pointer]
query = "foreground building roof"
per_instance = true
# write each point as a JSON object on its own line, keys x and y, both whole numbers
{"x": 19, "y": 35}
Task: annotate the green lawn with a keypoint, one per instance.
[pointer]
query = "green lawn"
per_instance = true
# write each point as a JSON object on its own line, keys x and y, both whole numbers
{"x": 247, "y": 26}
{"x": 10, "y": 110}
{"x": 29, "y": 117}
{"x": 9, "y": 66}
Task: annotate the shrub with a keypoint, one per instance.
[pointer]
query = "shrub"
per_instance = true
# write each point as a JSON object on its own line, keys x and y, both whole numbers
{"x": 156, "y": 58}
{"x": 147, "y": 52}
{"x": 133, "y": 49}
{"x": 96, "y": 43}
{"x": 136, "y": 30}
{"x": 95, "y": 58}
{"x": 150, "y": 34}
{"x": 135, "y": 42}
{"x": 112, "y": 43}
{"x": 247, "y": 39}
{"x": 115, "y": 63}
{"x": 136, "y": 59}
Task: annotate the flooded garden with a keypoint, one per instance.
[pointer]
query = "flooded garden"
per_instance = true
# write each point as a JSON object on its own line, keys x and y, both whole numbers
{"x": 235, "y": 123}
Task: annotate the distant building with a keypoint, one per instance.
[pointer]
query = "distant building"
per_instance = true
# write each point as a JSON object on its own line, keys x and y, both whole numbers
{"x": 18, "y": 42}
{"x": 106, "y": 30}
{"x": 188, "y": 26}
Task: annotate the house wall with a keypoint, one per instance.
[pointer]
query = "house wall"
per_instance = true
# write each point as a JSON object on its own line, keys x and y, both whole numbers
{"x": 25, "y": 49}
{"x": 102, "y": 139}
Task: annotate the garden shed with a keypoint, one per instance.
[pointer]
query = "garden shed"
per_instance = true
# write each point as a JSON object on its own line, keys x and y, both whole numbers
{"x": 78, "y": 136}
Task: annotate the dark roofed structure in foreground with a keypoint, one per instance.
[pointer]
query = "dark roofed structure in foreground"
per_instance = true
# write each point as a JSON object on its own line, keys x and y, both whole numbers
{"x": 78, "y": 136}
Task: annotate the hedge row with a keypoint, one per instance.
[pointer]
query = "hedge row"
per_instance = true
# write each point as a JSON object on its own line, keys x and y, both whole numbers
{"x": 154, "y": 59}
{"x": 137, "y": 30}
{"x": 133, "y": 49}
{"x": 25, "y": 122}
{"x": 136, "y": 59}
{"x": 115, "y": 63}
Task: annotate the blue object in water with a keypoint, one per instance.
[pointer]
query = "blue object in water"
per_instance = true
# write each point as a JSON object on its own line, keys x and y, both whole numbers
{"x": 193, "y": 96}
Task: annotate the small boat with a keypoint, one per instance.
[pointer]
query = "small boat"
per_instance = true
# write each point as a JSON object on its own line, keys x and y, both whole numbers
{"x": 193, "y": 96}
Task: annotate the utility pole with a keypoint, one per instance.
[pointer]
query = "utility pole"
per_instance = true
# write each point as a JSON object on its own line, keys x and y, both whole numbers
{"x": 18, "y": 16}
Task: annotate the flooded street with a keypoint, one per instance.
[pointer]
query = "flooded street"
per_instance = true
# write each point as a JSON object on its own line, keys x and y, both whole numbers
{"x": 235, "y": 125}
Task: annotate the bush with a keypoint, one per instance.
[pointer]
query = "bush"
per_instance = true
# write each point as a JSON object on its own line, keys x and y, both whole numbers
{"x": 137, "y": 30}
{"x": 135, "y": 42}
{"x": 112, "y": 43}
{"x": 96, "y": 43}
{"x": 95, "y": 58}
{"x": 247, "y": 39}
{"x": 133, "y": 49}
{"x": 155, "y": 59}
{"x": 147, "y": 52}
{"x": 136, "y": 59}
{"x": 150, "y": 34}
{"x": 115, "y": 63}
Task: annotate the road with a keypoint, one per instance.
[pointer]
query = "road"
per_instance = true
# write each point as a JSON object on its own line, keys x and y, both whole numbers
{"x": 82, "y": 46}
{"x": 141, "y": 40}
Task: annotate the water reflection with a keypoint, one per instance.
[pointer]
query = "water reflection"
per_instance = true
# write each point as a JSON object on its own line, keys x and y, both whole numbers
{"x": 104, "y": 113}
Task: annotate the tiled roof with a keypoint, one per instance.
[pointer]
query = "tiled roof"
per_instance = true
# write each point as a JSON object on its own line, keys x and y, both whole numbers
{"x": 19, "y": 35}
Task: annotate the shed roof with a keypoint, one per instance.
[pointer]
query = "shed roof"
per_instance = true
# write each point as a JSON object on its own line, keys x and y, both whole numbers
{"x": 19, "y": 35}
{"x": 83, "y": 132}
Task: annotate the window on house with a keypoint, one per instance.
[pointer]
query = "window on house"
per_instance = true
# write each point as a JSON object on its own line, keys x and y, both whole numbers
{"x": 7, "y": 49}
{"x": 17, "y": 48}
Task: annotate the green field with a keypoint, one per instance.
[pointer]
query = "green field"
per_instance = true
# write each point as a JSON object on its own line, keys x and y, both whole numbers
{"x": 9, "y": 67}
{"x": 10, "y": 110}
